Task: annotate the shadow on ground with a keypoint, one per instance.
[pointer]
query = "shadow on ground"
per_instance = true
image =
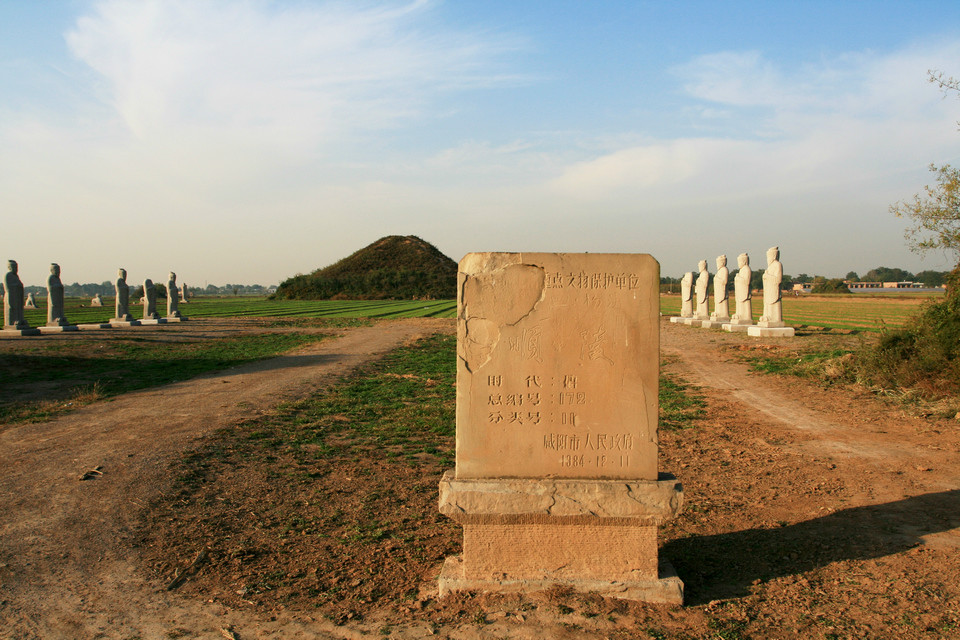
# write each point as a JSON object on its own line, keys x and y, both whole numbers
{"x": 725, "y": 565}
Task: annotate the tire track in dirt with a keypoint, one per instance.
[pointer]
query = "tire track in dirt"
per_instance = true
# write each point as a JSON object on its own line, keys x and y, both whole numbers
{"x": 68, "y": 568}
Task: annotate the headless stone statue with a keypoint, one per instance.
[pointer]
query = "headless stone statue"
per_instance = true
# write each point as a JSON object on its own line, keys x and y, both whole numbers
{"x": 721, "y": 297}
{"x": 686, "y": 295}
{"x": 13, "y": 299}
{"x": 772, "y": 277}
{"x": 96, "y": 301}
{"x": 123, "y": 297}
{"x": 149, "y": 300}
{"x": 741, "y": 289}
{"x": 703, "y": 292}
{"x": 172, "y": 296}
{"x": 31, "y": 303}
{"x": 55, "y": 315}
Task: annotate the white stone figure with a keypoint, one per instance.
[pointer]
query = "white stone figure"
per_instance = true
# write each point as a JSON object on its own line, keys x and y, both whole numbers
{"x": 96, "y": 301}
{"x": 721, "y": 297}
{"x": 686, "y": 295}
{"x": 742, "y": 292}
{"x": 772, "y": 277}
{"x": 172, "y": 296}
{"x": 183, "y": 292}
{"x": 703, "y": 292}
{"x": 31, "y": 302}
{"x": 123, "y": 297}
{"x": 149, "y": 300}
{"x": 13, "y": 299}
{"x": 55, "y": 315}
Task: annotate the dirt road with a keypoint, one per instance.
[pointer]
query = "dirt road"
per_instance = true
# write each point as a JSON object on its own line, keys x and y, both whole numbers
{"x": 811, "y": 513}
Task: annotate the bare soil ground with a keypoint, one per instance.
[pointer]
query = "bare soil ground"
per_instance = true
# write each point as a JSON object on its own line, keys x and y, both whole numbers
{"x": 820, "y": 513}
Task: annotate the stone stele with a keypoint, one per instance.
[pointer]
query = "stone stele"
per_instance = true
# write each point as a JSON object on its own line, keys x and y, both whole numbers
{"x": 556, "y": 479}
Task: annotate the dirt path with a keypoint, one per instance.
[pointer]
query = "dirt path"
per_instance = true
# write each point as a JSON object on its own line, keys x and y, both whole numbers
{"x": 791, "y": 490}
{"x": 66, "y": 568}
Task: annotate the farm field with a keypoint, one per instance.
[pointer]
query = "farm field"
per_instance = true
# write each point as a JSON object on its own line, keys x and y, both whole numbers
{"x": 258, "y": 307}
{"x": 855, "y": 311}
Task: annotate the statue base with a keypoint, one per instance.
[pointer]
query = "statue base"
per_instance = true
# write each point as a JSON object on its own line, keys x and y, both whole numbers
{"x": 733, "y": 327}
{"x": 530, "y": 534}
{"x": 17, "y": 330}
{"x": 714, "y": 323}
{"x": 120, "y": 322}
{"x": 58, "y": 328}
{"x": 758, "y": 331}
{"x": 94, "y": 326}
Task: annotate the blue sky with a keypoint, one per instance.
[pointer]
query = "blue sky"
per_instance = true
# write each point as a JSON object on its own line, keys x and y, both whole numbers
{"x": 246, "y": 141}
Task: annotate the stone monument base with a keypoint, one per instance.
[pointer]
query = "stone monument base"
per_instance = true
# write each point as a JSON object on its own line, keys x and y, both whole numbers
{"x": 115, "y": 322}
{"x": 175, "y": 319}
{"x": 58, "y": 328}
{"x": 94, "y": 326}
{"x": 10, "y": 332}
{"x": 733, "y": 327}
{"x": 690, "y": 322}
{"x": 667, "y": 588}
{"x": 154, "y": 321}
{"x": 713, "y": 324}
{"x": 771, "y": 332}
{"x": 528, "y": 534}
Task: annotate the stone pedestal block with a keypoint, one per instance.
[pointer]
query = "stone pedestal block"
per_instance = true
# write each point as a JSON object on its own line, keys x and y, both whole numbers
{"x": 736, "y": 328}
{"x": 591, "y": 535}
{"x": 771, "y": 332}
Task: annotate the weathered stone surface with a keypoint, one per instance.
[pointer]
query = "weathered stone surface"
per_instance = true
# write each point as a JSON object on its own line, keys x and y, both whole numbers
{"x": 173, "y": 296}
{"x": 686, "y": 294}
{"x": 640, "y": 502}
{"x": 13, "y": 300}
{"x": 771, "y": 332}
{"x": 558, "y": 359}
{"x": 556, "y": 480}
{"x": 149, "y": 301}
{"x": 743, "y": 293}
{"x": 772, "y": 295}
{"x": 122, "y": 304}
{"x": 703, "y": 293}
{"x": 721, "y": 297}
{"x": 55, "y": 314}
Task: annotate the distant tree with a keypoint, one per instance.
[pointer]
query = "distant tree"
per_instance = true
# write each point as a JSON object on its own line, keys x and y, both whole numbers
{"x": 756, "y": 279}
{"x": 852, "y": 276}
{"x": 932, "y": 278}
{"x": 887, "y": 274}
{"x": 934, "y": 215}
{"x": 833, "y": 285}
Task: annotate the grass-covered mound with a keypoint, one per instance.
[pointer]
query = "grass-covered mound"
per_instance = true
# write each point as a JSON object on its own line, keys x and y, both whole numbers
{"x": 392, "y": 268}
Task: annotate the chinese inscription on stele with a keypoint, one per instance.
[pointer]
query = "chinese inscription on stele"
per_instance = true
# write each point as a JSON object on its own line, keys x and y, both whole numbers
{"x": 557, "y": 365}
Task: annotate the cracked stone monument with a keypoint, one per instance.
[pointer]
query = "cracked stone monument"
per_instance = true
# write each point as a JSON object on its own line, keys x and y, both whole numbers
{"x": 173, "y": 296}
{"x": 122, "y": 315}
{"x": 556, "y": 479}
{"x": 13, "y": 302}
{"x": 770, "y": 324}
{"x": 150, "y": 301}
{"x": 721, "y": 297}
{"x": 686, "y": 299}
{"x": 30, "y": 303}
{"x": 743, "y": 318}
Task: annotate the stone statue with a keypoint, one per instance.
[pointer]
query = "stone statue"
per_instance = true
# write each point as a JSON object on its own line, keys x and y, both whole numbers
{"x": 123, "y": 297}
{"x": 686, "y": 295}
{"x": 96, "y": 301}
{"x": 13, "y": 299}
{"x": 721, "y": 297}
{"x": 149, "y": 300}
{"x": 744, "y": 296}
{"x": 55, "y": 315}
{"x": 183, "y": 292}
{"x": 703, "y": 292}
{"x": 772, "y": 277}
{"x": 172, "y": 296}
{"x": 31, "y": 302}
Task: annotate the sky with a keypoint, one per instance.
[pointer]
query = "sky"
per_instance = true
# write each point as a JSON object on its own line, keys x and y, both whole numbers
{"x": 246, "y": 141}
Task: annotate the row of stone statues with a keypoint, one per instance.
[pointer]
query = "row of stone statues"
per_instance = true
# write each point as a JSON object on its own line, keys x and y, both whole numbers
{"x": 14, "y": 303}
{"x": 695, "y": 292}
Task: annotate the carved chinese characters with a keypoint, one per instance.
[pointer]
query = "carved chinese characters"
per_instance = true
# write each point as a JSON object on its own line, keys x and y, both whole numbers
{"x": 558, "y": 376}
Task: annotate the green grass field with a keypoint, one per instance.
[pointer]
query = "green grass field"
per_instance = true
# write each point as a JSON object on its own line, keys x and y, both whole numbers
{"x": 860, "y": 312}
{"x": 258, "y": 308}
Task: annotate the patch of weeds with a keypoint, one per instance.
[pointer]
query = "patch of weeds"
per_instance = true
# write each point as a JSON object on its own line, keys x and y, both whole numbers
{"x": 727, "y": 629}
{"x": 680, "y": 405}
